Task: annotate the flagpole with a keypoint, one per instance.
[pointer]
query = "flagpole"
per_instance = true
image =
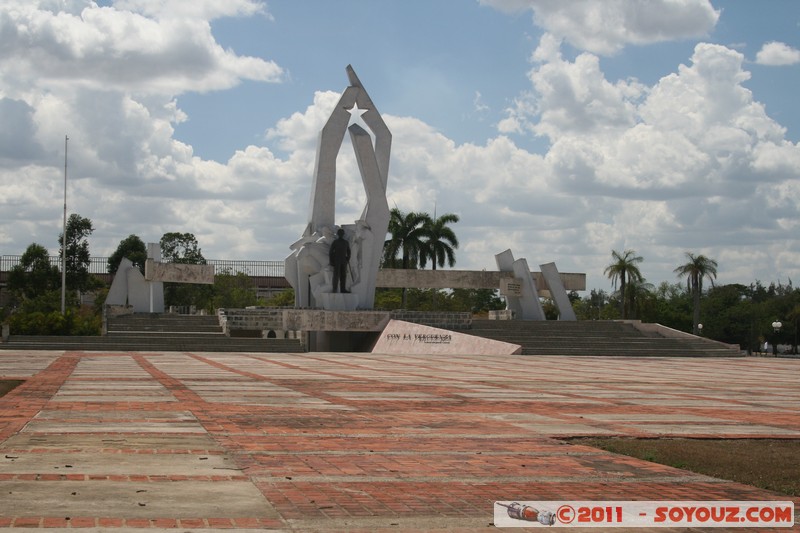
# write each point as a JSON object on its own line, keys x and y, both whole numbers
{"x": 64, "y": 238}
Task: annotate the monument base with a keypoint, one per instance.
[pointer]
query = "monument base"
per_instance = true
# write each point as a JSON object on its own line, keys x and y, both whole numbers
{"x": 341, "y": 341}
{"x": 327, "y": 330}
{"x": 337, "y": 301}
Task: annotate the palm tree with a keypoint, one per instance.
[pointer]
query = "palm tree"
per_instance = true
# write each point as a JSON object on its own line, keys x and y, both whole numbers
{"x": 640, "y": 294}
{"x": 697, "y": 268}
{"x": 408, "y": 231}
{"x": 623, "y": 269}
{"x": 441, "y": 242}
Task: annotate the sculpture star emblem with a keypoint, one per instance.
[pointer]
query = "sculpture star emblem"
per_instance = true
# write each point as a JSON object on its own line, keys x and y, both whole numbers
{"x": 355, "y": 115}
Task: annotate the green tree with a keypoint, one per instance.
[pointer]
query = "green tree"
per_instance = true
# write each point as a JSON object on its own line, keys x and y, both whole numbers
{"x": 441, "y": 242}
{"x": 427, "y": 300}
{"x": 386, "y": 298}
{"x": 34, "y": 275}
{"x": 233, "y": 291}
{"x": 731, "y": 316}
{"x": 285, "y": 298}
{"x": 408, "y": 232}
{"x": 184, "y": 248}
{"x": 624, "y": 269}
{"x": 181, "y": 248}
{"x": 479, "y": 301}
{"x": 594, "y": 306}
{"x": 695, "y": 269}
{"x": 672, "y": 307}
{"x": 78, "y": 258}
{"x": 641, "y": 298}
{"x": 132, "y": 248}
{"x": 794, "y": 323}
{"x": 35, "y": 285}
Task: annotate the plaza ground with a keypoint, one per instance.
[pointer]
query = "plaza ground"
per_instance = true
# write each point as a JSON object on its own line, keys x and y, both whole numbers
{"x": 318, "y": 441}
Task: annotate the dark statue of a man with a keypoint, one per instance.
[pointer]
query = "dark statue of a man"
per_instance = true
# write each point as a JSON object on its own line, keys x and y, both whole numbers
{"x": 340, "y": 259}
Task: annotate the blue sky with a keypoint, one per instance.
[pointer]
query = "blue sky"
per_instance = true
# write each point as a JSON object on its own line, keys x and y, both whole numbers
{"x": 421, "y": 58}
{"x": 561, "y": 130}
{"x": 455, "y": 69}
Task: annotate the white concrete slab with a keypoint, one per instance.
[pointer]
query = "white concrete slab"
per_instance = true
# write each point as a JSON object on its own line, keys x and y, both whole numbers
{"x": 402, "y": 338}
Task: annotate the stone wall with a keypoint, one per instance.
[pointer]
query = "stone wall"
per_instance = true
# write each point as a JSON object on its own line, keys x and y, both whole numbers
{"x": 501, "y": 314}
{"x": 436, "y": 319}
{"x": 468, "y": 279}
{"x": 282, "y": 320}
{"x": 265, "y": 319}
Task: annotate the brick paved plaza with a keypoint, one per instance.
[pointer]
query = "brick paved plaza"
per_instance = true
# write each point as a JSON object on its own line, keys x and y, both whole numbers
{"x": 203, "y": 441}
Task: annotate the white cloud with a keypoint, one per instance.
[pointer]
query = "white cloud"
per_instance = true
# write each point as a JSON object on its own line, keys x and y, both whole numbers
{"x": 109, "y": 78}
{"x": 105, "y": 48}
{"x": 300, "y": 130}
{"x": 17, "y": 142}
{"x": 606, "y": 26}
{"x": 200, "y": 9}
{"x": 694, "y": 129}
{"x": 777, "y": 54}
{"x": 478, "y": 103}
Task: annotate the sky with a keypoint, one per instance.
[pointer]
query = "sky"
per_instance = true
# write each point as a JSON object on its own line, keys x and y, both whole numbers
{"x": 559, "y": 130}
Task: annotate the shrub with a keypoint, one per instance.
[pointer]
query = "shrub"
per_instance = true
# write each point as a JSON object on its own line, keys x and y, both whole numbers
{"x": 74, "y": 322}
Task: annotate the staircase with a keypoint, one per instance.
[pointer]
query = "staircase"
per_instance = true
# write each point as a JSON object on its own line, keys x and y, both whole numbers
{"x": 595, "y": 338}
{"x": 158, "y": 333}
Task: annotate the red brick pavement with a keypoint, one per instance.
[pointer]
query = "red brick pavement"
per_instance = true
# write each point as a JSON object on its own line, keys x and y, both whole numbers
{"x": 359, "y": 441}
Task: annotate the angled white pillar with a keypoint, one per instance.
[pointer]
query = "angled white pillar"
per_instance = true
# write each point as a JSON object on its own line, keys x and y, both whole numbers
{"x": 322, "y": 208}
{"x": 531, "y": 305}
{"x": 558, "y": 292}
{"x": 505, "y": 263}
{"x": 374, "y": 220}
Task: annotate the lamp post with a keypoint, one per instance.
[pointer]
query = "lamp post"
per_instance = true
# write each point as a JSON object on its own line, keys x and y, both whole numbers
{"x": 776, "y": 327}
{"x": 64, "y": 238}
{"x": 700, "y": 329}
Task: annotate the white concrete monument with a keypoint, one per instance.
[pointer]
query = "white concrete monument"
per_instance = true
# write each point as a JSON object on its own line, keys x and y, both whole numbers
{"x": 145, "y": 293}
{"x": 521, "y": 293}
{"x": 524, "y": 300}
{"x": 307, "y": 268}
{"x": 130, "y": 288}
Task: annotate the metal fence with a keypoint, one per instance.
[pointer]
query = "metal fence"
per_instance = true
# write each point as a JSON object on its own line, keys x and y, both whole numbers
{"x": 99, "y": 265}
{"x": 251, "y": 268}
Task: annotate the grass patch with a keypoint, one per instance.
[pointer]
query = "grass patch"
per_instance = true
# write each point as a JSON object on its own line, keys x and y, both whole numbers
{"x": 771, "y": 464}
{"x": 7, "y": 385}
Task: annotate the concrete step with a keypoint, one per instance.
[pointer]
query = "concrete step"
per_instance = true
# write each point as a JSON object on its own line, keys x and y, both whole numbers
{"x": 153, "y": 343}
{"x": 163, "y": 323}
{"x": 595, "y": 338}
{"x": 166, "y": 317}
{"x": 143, "y": 326}
{"x": 157, "y": 332}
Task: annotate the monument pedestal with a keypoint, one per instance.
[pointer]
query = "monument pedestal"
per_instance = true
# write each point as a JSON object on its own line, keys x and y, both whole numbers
{"x": 337, "y": 301}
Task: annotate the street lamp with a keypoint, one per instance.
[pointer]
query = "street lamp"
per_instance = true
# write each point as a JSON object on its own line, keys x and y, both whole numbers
{"x": 700, "y": 329}
{"x": 776, "y": 327}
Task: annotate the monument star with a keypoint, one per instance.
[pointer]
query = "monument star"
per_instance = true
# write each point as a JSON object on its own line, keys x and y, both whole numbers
{"x": 355, "y": 115}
